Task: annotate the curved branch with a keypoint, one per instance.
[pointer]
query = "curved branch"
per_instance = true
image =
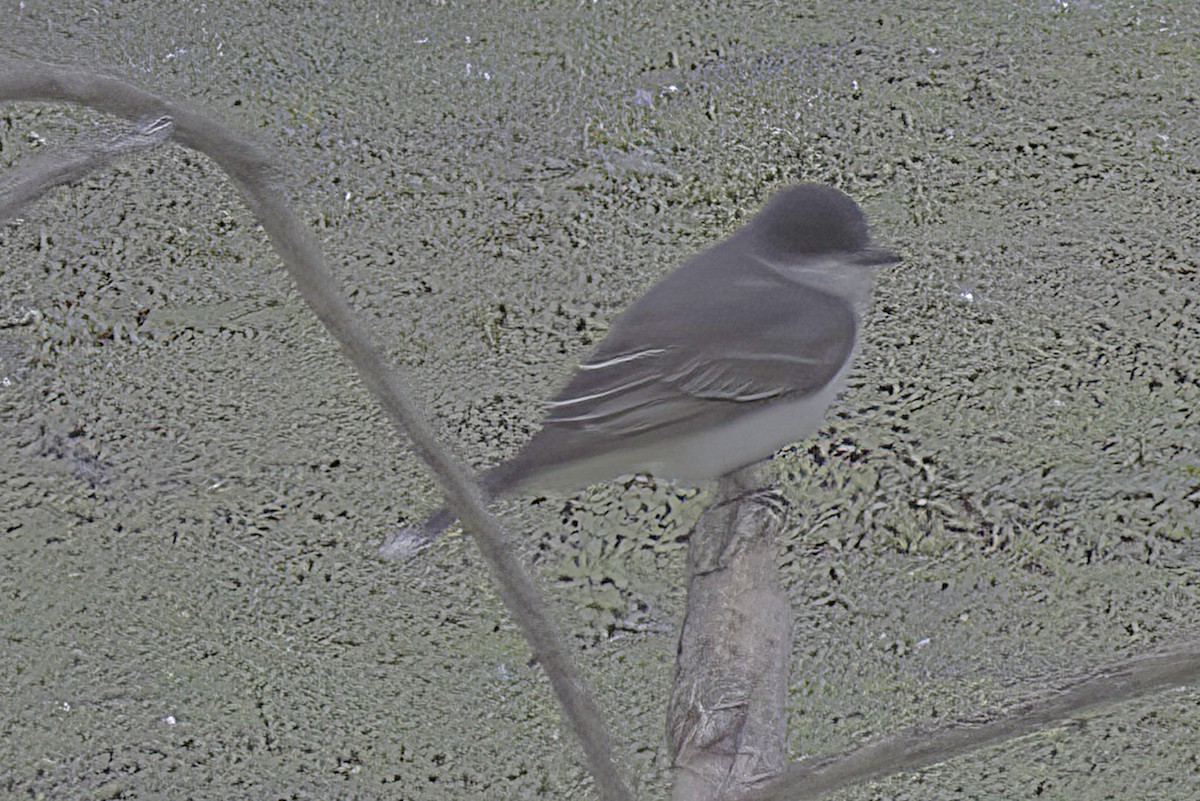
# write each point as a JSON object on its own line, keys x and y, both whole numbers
{"x": 249, "y": 165}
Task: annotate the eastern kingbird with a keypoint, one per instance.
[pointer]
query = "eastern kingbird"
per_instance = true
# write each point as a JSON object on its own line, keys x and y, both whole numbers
{"x": 735, "y": 354}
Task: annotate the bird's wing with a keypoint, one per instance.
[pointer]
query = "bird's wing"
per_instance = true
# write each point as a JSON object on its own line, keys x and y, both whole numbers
{"x": 650, "y": 374}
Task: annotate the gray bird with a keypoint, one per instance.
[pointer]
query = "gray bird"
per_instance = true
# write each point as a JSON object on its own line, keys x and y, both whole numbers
{"x": 735, "y": 354}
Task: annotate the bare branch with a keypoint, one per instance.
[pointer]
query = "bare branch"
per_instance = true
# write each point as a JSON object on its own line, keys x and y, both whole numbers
{"x": 727, "y": 724}
{"x": 249, "y": 165}
{"x": 915, "y": 750}
{"x": 37, "y": 176}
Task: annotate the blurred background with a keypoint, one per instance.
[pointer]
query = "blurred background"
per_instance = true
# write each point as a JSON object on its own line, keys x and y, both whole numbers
{"x": 194, "y": 483}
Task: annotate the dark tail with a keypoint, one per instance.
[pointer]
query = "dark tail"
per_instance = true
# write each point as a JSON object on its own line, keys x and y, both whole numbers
{"x": 411, "y": 539}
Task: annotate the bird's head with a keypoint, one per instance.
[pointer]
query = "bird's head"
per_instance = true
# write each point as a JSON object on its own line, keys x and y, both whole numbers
{"x": 809, "y": 220}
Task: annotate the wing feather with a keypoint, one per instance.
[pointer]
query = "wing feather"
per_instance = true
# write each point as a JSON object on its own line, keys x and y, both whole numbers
{"x": 675, "y": 376}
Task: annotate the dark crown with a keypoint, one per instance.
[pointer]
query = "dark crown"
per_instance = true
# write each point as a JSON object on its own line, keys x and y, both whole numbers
{"x": 811, "y": 219}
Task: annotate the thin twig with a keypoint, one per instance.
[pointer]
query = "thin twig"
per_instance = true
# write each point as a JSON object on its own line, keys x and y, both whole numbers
{"x": 36, "y": 176}
{"x": 916, "y": 750}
